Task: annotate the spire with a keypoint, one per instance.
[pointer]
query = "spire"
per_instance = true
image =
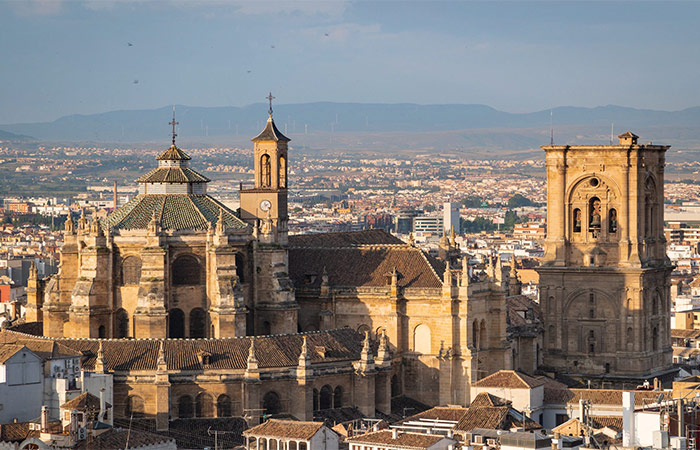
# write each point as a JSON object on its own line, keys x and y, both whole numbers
{"x": 220, "y": 228}
{"x": 270, "y": 98}
{"x": 366, "y": 362}
{"x": 383, "y": 355}
{"x": 162, "y": 364}
{"x": 465, "y": 271}
{"x": 513, "y": 271}
{"x": 251, "y": 371}
{"x": 304, "y": 366}
{"x": 32, "y": 271}
{"x": 100, "y": 361}
{"x": 453, "y": 242}
{"x": 173, "y": 123}
{"x": 411, "y": 239}
{"x": 70, "y": 226}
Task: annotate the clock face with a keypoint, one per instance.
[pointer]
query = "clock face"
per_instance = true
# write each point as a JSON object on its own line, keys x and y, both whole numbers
{"x": 265, "y": 205}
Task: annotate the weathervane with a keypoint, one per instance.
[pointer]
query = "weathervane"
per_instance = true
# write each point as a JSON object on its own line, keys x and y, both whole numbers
{"x": 173, "y": 123}
{"x": 270, "y": 98}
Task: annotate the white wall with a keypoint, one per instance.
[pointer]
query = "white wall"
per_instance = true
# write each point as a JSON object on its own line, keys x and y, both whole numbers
{"x": 645, "y": 425}
{"x": 21, "y": 393}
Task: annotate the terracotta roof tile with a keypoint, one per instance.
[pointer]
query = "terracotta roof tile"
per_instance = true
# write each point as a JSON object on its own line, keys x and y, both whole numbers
{"x": 173, "y": 154}
{"x": 405, "y": 440}
{"x": 685, "y": 334}
{"x": 172, "y": 175}
{"x": 509, "y": 379}
{"x": 440, "y": 413}
{"x": 84, "y": 402}
{"x": 491, "y": 417}
{"x": 270, "y": 133}
{"x": 344, "y": 239}
{"x": 285, "y": 429}
{"x": 486, "y": 399}
{"x": 173, "y": 212}
{"x": 119, "y": 439}
{"x": 7, "y": 351}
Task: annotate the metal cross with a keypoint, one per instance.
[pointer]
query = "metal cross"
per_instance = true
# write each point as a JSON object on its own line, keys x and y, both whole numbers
{"x": 173, "y": 123}
{"x": 270, "y": 98}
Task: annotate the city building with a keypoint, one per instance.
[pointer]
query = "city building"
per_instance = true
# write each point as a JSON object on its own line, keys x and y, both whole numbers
{"x": 450, "y": 217}
{"x": 605, "y": 277}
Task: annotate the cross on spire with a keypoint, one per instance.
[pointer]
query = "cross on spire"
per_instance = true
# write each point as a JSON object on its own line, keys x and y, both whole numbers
{"x": 270, "y": 98}
{"x": 173, "y": 123}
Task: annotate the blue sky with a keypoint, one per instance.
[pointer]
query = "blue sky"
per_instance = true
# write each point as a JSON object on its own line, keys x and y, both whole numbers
{"x": 68, "y": 57}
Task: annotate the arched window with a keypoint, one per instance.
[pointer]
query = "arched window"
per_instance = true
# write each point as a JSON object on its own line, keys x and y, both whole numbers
{"x": 131, "y": 270}
{"x": 552, "y": 336}
{"x": 176, "y": 323}
{"x": 240, "y": 268}
{"x": 186, "y": 271}
{"x": 316, "y": 404}
{"x": 184, "y": 407}
{"x": 630, "y": 339}
{"x": 198, "y": 323}
{"x": 271, "y": 403}
{"x": 591, "y": 306}
{"x": 101, "y": 332}
{"x": 326, "y": 401}
{"x": 204, "y": 405}
{"x": 612, "y": 220}
{"x": 594, "y": 218}
{"x": 338, "y": 397}
{"x": 475, "y": 334}
{"x": 591, "y": 342}
{"x": 362, "y": 329}
{"x": 223, "y": 406}
{"x": 121, "y": 323}
{"x": 655, "y": 339}
{"x": 483, "y": 340}
{"x": 577, "y": 220}
{"x": 283, "y": 171}
{"x": 266, "y": 328}
{"x": 134, "y": 406}
{"x": 395, "y": 386}
{"x": 421, "y": 339}
{"x": 265, "y": 172}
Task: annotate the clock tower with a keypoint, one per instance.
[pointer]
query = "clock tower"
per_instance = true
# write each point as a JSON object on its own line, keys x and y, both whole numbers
{"x": 265, "y": 203}
{"x": 264, "y": 206}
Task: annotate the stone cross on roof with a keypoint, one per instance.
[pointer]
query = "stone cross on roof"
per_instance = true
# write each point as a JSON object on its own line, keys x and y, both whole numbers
{"x": 270, "y": 98}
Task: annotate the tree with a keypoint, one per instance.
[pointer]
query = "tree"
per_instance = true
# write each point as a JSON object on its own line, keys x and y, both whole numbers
{"x": 517, "y": 200}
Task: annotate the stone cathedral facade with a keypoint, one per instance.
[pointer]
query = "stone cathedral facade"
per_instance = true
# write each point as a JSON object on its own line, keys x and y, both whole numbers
{"x": 605, "y": 278}
{"x": 382, "y": 318}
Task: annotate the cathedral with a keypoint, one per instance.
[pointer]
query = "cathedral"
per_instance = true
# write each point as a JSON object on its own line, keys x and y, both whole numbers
{"x": 175, "y": 293}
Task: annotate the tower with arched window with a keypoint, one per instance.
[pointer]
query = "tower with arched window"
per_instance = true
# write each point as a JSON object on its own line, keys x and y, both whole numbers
{"x": 605, "y": 277}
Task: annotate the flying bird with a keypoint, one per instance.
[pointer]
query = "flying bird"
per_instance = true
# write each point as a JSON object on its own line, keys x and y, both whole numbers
{"x": 129, "y": 44}
{"x": 326, "y": 34}
{"x": 272, "y": 46}
{"x": 136, "y": 81}
{"x": 249, "y": 71}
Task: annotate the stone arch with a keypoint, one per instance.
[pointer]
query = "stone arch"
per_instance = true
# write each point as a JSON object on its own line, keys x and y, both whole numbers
{"x": 326, "y": 397}
{"x": 583, "y": 181}
{"x": 421, "y": 339}
{"x": 204, "y": 405}
{"x": 101, "y": 332}
{"x": 240, "y": 267}
{"x": 283, "y": 171}
{"x": 135, "y": 406}
{"x": 185, "y": 408}
{"x": 176, "y": 323}
{"x": 186, "y": 271}
{"x": 121, "y": 323}
{"x": 223, "y": 406}
{"x": 265, "y": 171}
{"x": 601, "y": 297}
{"x": 198, "y": 323}
{"x": 266, "y": 328}
{"x": 271, "y": 403}
{"x": 362, "y": 329}
{"x": 130, "y": 273}
{"x": 338, "y": 397}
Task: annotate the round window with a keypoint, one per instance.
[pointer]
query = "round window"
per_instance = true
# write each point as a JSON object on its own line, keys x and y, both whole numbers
{"x": 594, "y": 182}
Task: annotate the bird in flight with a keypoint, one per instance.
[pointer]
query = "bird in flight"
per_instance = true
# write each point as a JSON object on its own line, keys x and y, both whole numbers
{"x": 129, "y": 44}
{"x": 136, "y": 81}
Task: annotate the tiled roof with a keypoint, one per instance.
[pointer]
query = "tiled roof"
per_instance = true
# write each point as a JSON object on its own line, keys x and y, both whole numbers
{"x": 518, "y": 304}
{"x": 344, "y": 344}
{"x": 14, "y": 432}
{"x": 509, "y": 379}
{"x": 596, "y": 396}
{"x": 440, "y": 413}
{"x": 173, "y": 154}
{"x": 192, "y": 433}
{"x": 339, "y": 415}
{"x": 7, "y": 351}
{"x": 403, "y": 440}
{"x": 84, "y": 402}
{"x": 685, "y": 334}
{"x": 364, "y": 265}
{"x": 685, "y": 352}
{"x": 270, "y": 133}
{"x": 486, "y": 399}
{"x": 125, "y": 439}
{"x": 291, "y": 429}
{"x": 173, "y": 212}
{"x": 343, "y": 239}
{"x": 172, "y": 175}
{"x": 491, "y": 417}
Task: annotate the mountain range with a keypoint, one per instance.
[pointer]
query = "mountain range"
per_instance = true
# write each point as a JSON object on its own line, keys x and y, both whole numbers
{"x": 365, "y": 125}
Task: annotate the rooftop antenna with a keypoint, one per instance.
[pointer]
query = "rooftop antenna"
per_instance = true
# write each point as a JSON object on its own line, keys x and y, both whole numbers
{"x": 173, "y": 123}
{"x": 270, "y": 98}
{"x": 551, "y": 128}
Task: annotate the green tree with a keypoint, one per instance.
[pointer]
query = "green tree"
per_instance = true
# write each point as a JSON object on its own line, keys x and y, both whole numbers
{"x": 517, "y": 200}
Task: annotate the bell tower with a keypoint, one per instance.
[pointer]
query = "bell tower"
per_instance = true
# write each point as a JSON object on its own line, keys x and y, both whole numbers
{"x": 265, "y": 203}
{"x": 264, "y": 206}
{"x": 605, "y": 277}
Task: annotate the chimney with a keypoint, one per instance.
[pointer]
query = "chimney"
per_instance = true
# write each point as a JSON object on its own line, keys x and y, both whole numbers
{"x": 582, "y": 411}
{"x": 628, "y": 439}
{"x": 394, "y": 433}
{"x": 15, "y": 310}
{"x": 101, "y": 417}
{"x": 44, "y": 419}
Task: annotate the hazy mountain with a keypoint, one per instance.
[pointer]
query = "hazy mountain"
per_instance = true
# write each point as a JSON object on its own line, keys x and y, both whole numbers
{"x": 6, "y": 136}
{"x": 479, "y": 126}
